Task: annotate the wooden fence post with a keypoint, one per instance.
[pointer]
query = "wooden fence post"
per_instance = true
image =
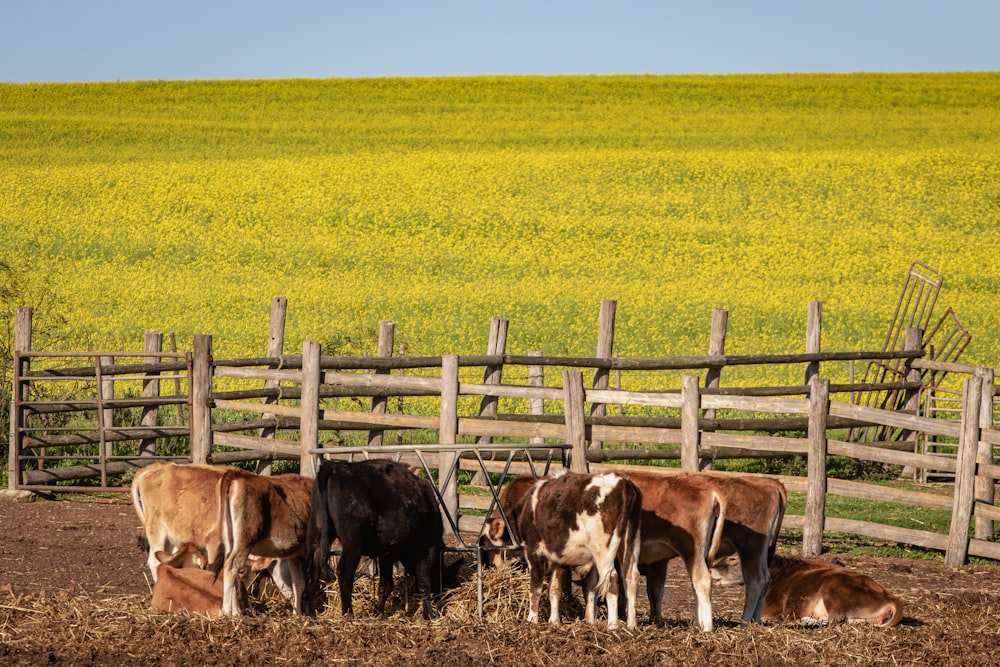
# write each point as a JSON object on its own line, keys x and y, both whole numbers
{"x": 497, "y": 345}
{"x": 386, "y": 340}
{"x": 448, "y": 431}
{"x": 716, "y": 347}
{"x": 152, "y": 342}
{"x": 201, "y": 399}
{"x": 968, "y": 447}
{"x": 815, "y": 518}
{"x": 19, "y": 392}
{"x": 985, "y": 486}
{"x": 275, "y": 348}
{"x": 814, "y": 331}
{"x": 106, "y": 387}
{"x": 605, "y": 347}
{"x": 576, "y": 424}
{"x": 536, "y": 406}
{"x": 309, "y": 405}
{"x": 690, "y": 434}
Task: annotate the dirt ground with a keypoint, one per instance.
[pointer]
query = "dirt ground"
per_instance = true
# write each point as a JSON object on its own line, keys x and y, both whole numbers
{"x": 74, "y": 591}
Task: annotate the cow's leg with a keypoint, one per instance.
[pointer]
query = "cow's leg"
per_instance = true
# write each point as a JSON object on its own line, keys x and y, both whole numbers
{"x": 424, "y": 572}
{"x": 293, "y": 568}
{"x": 656, "y": 579}
{"x": 555, "y": 593}
{"x": 701, "y": 582}
{"x": 612, "y": 598}
{"x": 347, "y": 565}
{"x": 631, "y": 584}
{"x": 385, "y": 582}
{"x": 282, "y": 577}
{"x": 756, "y": 577}
{"x": 590, "y": 594}
{"x": 536, "y": 577}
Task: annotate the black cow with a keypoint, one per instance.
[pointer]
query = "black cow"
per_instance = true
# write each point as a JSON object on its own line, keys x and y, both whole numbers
{"x": 376, "y": 508}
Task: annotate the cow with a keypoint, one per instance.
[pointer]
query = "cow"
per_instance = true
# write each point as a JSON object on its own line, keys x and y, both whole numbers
{"x": 678, "y": 519}
{"x": 264, "y": 517}
{"x": 376, "y": 508}
{"x": 755, "y": 508}
{"x": 178, "y": 504}
{"x": 577, "y": 519}
{"x": 682, "y": 517}
{"x": 182, "y": 584}
{"x": 805, "y": 589}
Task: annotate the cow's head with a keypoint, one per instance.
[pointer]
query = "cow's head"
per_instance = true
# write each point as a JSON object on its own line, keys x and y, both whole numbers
{"x": 727, "y": 571}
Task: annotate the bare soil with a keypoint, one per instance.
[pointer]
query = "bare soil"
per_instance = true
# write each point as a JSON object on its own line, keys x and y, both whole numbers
{"x": 74, "y": 591}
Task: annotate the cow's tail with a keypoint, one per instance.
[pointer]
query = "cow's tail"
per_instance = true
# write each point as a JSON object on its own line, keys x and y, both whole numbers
{"x": 629, "y": 533}
{"x": 142, "y": 540}
{"x": 775, "y": 527}
{"x": 713, "y": 528}
{"x": 225, "y": 523}
{"x": 316, "y": 563}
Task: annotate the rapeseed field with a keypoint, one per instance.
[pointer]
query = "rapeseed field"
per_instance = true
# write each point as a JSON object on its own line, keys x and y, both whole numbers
{"x": 440, "y": 202}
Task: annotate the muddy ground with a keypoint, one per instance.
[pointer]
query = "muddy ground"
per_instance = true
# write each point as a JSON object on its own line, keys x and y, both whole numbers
{"x": 74, "y": 591}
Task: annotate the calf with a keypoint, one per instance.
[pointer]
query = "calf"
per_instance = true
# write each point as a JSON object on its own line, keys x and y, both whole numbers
{"x": 808, "y": 589}
{"x": 263, "y": 517}
{"x": 755, "y": 508}
{"x": 682, "y": 516}
{"x": 574, "y": 520}
{"x": 376, "y": 508}
{"x": 181, "y": 584}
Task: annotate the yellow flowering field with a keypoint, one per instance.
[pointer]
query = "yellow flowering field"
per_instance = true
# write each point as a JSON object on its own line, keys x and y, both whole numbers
{"x": 438, "y": 203}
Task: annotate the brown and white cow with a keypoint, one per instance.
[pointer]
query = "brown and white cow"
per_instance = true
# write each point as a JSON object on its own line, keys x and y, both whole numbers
{"x": 755, "y": 508}
{"x": 577, "y": 519}
{"x": 815, "y": 590}
{"x": 264, "y": 517}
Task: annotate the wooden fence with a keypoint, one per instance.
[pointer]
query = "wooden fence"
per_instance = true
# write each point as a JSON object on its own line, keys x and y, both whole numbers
{"x": 295, "y": 406}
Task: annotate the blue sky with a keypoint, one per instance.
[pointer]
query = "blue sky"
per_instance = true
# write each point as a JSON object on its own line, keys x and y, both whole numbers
{"x": 127, "y": 40}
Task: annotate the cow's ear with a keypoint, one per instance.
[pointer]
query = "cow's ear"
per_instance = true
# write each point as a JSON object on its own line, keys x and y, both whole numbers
{"x": 163, "y": 556}
{"x": 497, "y": 529}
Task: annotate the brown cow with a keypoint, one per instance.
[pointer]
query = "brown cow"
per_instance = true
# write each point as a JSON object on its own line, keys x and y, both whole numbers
{"x": 178, "y": 504}
{"x": 814, "y": 590}
{"x": 575, "y": 519}
{"x": 681, "y": 516}
{"x": 755, "y": 508}
{"x": 264, "y": 517}
{"x": 181, "y": 584}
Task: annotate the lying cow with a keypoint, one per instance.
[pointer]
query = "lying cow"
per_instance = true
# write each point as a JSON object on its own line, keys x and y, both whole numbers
{"x": 682, "y": 519}
{"x": 182, "y": 584}
{"x": 574, "y": 520}
{"x": 265, "y": 517}
{"x": 814, "y": 590}
{"x": 376, "y": 508}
